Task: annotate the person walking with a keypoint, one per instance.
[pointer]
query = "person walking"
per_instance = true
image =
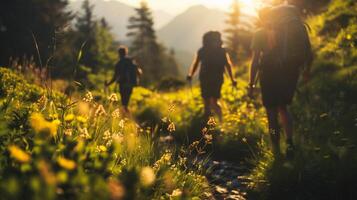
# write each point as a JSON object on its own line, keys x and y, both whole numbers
{"x": 126, "y": 74}
{"x": 281, "y": 50}
{"x": 214, "y": 61}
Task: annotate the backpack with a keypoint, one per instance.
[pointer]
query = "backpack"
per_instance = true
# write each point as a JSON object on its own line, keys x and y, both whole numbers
{"x": 292, "y": 48}
{"x": 127, "y": 72}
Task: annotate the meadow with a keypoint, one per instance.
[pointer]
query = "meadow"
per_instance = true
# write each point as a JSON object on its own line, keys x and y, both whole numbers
{"x": 62, "y": 139}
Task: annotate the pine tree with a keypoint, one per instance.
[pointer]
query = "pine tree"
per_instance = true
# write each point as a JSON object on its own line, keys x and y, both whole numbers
{"x": 144, "y": 47}
{"x": 232, "y": 32}
{"x": 24, "y": 21}
{"x": 85, "y": 27}
{"x": 105, "y": 47}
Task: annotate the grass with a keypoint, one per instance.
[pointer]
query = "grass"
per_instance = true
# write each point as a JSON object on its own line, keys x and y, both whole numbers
{"x": 54, "y": 147}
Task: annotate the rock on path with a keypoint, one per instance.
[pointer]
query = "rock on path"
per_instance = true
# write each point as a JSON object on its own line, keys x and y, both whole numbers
{"x": 227, "y": 180}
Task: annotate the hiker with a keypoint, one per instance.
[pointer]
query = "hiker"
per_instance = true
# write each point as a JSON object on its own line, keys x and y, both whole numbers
{"x": 214, "y": 60}
{"x": 126, "y": 74}
{"x": 281, "y": 51}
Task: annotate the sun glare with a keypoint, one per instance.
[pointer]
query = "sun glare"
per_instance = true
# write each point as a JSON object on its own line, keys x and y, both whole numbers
{"x": 249, "y": 7}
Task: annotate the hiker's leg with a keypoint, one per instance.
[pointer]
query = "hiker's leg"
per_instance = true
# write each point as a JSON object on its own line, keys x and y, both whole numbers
{"x": 287, "y": 122}
{"x": 217, "y": 108}
{"x": 125, "y": 93}
{"x": 207, "y": 106}
{"x": 274, "y": 129}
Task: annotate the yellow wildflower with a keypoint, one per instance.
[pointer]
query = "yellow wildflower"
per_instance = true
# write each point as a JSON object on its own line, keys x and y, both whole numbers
{"x": 19, "y": 154}
{"x": 54, "y": 116}
{"x": 52, "y": 126}
{"x": 147, "y": 176}
{"x": 39, "y": 124}
{"x": 66, "y": 163}
{"x": 101, "y": 148}
{"x": 69, "y": 117}
{"x": 56, "y": 122}
{"x": 81, "y": 119}
{"x": 349, "y": 37}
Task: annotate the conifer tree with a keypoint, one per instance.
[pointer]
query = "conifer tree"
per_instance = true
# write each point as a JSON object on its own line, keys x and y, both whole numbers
{"x": 85, "y": 28}
{"x": 150, "y": 55}
{"x": 232, "y": 32}
{"x": 24, "y": 21}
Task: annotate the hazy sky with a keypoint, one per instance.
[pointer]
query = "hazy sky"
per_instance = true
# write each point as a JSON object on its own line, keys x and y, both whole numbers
{"x": 177, "y": 6}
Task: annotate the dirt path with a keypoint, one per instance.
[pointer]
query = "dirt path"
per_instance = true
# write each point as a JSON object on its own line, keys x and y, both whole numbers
{"x": 227, "y": 180}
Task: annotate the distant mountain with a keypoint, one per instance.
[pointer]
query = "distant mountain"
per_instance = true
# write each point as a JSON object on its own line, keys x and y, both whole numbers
{"x": 184, "y": 32}
{"x": 117, "y": 15}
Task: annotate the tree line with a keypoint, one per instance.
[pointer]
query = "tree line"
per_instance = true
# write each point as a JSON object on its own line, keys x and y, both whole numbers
{"x": 72, "y": 46}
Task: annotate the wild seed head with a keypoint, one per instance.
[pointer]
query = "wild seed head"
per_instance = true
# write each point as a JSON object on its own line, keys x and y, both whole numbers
{"x": 205, "y": 131}
{"x": 171, "y": 127}
{"x": 113, "y": 98}
{"x": 208, "y": 138}
{"x": 84, "y": 133}
{"x": 68, "y": 132}
{"x": 116, "y": 114}
{"x": 88, "y": 97}
{"x": 211, "y": 122}
{"x": 107, "y": 135}
{"x": 100, "y": 111}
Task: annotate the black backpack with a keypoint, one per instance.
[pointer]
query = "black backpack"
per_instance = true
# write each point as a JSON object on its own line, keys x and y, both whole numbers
{"x": 292, "y": 44}
{"x": 127, "y": 72}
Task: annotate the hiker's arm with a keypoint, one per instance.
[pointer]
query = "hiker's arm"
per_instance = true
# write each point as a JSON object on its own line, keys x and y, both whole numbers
{"x": 193, "y": 67}
{"x": 253, "y": 73}
{"x": 229, "y": 68}
{"x": 254, "y": 69}
{"x": 116, "y": 73}
{"x": 139, "y": 71}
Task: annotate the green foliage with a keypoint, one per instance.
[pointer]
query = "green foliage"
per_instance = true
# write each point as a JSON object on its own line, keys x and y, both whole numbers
{"x": 53, "y": 148}
{"x": 170, "y": 84}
